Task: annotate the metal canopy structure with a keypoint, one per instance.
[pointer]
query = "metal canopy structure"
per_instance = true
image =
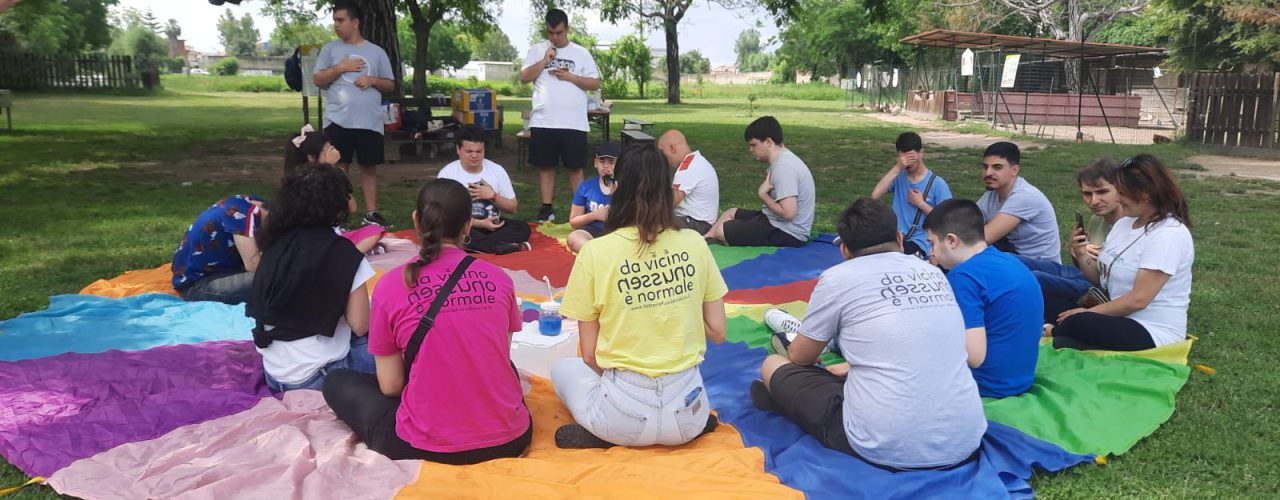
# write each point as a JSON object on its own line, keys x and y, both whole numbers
{"x": 1026, "y": 45}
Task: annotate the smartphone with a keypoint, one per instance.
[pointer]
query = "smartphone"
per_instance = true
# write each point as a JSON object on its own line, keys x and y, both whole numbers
{"x": 1080, "y": 222}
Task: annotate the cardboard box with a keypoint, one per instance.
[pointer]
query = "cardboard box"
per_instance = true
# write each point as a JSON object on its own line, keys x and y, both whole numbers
{"x": 487, "y": 120}
{"x": 474, "y": 100}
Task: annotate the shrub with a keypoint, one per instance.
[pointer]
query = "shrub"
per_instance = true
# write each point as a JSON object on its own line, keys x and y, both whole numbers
{"x": 228, "y": 66}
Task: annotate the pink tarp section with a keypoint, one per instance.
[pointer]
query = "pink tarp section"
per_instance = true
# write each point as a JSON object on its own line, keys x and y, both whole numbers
{"x": 295, "y": 448}
{"x": 59, "y": 409}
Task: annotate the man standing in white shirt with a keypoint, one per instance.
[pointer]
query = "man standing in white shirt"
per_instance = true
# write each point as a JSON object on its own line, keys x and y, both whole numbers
{"x": 562, "y": 73}
{"x": 491, "y": 196}
{"x": 697, "y": 188}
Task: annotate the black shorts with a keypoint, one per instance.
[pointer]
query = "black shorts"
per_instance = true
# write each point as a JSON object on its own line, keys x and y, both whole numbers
{"x": 751, "y": 228}
{"x": 813, "y": 398}
{"x": 593, "y": 230}
{"x": 365, "y": 146}
{"x": 701, "y": 227}
{"x": 549, "y": 147}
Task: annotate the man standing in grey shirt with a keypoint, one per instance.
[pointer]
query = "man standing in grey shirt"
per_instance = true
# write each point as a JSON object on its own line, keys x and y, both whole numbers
{"x": 356, "y": 73}
{"x": 906, "y": 399}
{"x": 788, "y": 195}
{"x": 1019, "y": 218}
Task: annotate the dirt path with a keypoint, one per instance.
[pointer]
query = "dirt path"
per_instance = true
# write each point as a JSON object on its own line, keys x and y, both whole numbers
{"x": 1254, "y": 168}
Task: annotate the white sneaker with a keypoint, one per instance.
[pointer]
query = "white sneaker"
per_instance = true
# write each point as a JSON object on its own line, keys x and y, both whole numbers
{"x": 780, "y": 321}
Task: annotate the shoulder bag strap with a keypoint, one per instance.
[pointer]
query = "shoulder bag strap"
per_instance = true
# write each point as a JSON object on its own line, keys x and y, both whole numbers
{"x": 429, "y": 319}
{"x": 915, "y": 224}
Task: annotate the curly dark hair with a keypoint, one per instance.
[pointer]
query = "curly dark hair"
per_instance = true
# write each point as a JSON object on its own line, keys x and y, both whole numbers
{"x": 315, "y": 196}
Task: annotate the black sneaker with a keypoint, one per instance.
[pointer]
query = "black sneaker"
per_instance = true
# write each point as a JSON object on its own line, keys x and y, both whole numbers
{"x": 780, "y": 343}
{"x": 761, "y": 398}
{"x": 375, "y": 218}
{"x": 547, "y": 214}
{"x": 712, "y": 423}
{"x": 578, "y": 437}
{"x": 506, "y": 248}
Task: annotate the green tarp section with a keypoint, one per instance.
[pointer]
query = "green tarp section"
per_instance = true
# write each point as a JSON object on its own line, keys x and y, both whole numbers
{"x": 728, "y": 256}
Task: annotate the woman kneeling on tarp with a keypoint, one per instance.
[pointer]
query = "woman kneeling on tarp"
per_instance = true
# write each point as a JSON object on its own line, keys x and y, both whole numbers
{"x": 647, "y": 295}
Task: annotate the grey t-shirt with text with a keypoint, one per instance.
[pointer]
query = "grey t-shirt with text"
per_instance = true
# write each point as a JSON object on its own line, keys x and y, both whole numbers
{"x": 1037, "y": 235}
{"x": 347, "y": 105}
{"x": 910, "y": 400}
{"x": 791, "y": 177}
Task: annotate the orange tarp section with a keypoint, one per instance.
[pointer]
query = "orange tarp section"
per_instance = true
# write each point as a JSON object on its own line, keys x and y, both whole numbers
{"x": 715, "y": 465}
{"x": 158, "y": 280}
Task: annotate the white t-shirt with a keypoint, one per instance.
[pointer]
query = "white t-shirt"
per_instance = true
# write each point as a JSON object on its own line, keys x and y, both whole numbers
{"x": 294, "y": 361}
{"x": 492, "y": 174}
{"x": 557, "y": 103}
{"x": 910, "y": 399}
{"x": 696, "y": 178}
{"x": 1165, "y": 246}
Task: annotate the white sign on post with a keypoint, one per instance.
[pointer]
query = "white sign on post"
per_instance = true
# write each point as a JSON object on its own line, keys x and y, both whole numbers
{"x": 966, "y": 63}
{"x": 309, "y": 55}
{"x": 895, "y": 78}
{"x": 1010, "y": 70}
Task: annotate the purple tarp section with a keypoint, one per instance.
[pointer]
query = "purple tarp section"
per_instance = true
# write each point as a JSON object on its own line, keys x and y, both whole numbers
{"x": 59, "y": 409}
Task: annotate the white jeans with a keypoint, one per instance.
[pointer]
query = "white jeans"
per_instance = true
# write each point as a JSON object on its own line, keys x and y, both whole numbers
{"x": 629, "y": 409}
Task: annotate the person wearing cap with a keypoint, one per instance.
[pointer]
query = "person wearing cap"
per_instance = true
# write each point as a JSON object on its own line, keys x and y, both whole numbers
{"x": 492, "y": 195}
{"x": 695, "y": 184}
{"x": 905, "y": 400}
{"x": 591, "y": 201}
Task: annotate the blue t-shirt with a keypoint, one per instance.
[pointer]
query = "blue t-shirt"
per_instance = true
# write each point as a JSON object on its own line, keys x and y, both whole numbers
{"x": 906, "y": 212}
{"x": 998, "y": 293}
{"x": 209, "y": 247}
{"x": 591, "y": 198}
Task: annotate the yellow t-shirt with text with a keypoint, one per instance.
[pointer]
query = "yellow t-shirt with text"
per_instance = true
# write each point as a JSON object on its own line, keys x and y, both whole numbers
{"x": 649, "y": 303}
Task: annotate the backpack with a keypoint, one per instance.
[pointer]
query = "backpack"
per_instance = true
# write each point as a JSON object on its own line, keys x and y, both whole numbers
{"x": 293, "y": 70}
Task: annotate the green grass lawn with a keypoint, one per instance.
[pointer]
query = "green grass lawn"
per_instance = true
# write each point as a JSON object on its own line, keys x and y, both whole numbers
{"x": 97, "y": 185}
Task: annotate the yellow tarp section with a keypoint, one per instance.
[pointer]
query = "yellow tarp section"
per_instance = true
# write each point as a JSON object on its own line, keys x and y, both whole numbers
{"x": 560, "y": 232}
{"x": 1175, "y": 353}
{"x": 716, "y": 465}
{"x": 158, "y": 280}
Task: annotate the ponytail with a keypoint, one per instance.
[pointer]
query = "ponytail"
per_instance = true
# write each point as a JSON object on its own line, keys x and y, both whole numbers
{"x": 443, "y": 210}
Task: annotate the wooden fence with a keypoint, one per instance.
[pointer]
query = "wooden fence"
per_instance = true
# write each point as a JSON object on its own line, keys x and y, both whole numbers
{"x": 1233, "y": 109}
{"x": 24, "y": 71}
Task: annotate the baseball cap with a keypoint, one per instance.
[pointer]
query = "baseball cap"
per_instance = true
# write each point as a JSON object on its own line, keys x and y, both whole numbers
{"x": 607, "y": 150}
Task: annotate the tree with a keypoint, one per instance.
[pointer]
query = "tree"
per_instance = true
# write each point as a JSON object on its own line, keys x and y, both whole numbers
{"x": 1202, "y": 34}
{"x": 668, "y": 13}
{"x": 750, "y": 54}
{"x": 56, "y": 26}
{"x": 448, "y": 47}
{"x": 492, "y": 45}
{"x": 288, "y": 37}
{"x": 149, "y": 20}
{"x": 631, "y": 54}
{"x": 148, "y": 50}
{"x": 1073, "y": 20}
{"x": 238, "y": 37}
{"x": 470, "y": 15}
{"x": 172, "y": 30}
{"x": 694, "y": 63}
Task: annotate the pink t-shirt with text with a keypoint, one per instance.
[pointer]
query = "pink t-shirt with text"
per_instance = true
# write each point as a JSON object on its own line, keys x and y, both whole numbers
{"x": 462, "y": 393}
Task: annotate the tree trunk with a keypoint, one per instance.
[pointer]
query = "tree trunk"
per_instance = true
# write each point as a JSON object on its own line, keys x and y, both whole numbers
{"x": 421, "y": 36}
{"x": 379, "y": 26}
{"x": 1075, "y": 33}
{"x": 673, "y": 60}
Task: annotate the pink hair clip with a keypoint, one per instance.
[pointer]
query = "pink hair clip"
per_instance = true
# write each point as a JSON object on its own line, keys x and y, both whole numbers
{"x": 302, "y": 136}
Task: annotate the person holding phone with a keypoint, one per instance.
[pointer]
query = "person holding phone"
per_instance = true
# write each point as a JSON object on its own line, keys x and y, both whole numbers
{"x": 591, "y": 201}
{"x": 491, "y": 196}
{"x": 1064, "y": 285}
{"x": 562, "y": 72}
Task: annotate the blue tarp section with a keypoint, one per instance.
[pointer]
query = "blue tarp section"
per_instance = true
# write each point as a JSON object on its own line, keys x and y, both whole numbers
{"x": 800, "y": 461}
{"x": 90, "y": 324}
{"x": 787, "y": 265}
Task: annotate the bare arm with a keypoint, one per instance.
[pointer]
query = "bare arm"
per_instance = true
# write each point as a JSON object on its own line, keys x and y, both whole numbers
{"x": 1086, "y": 259}
{"x": 390, "y": 371}
{"x": 785, "y": 208}
{"x": 679, "y": 197}
{"x": 1000, "y": 226}
{"x": 584, "y": 83}
{"x": 713, "y": 320}
{"x": 530, "y": 73}
{"x": 248, "y": 249}
{"x": 579, "y": 216}
{"x": 588, "y": 334}
{"x": 805, "y": 351}
{"x": 975, "y": 342}
{"x": 882, "y": 187}
{"x": 508, "y": 205}
{"x": 358, "y": 311}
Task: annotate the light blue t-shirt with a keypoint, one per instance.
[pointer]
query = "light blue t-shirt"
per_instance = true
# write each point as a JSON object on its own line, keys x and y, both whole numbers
{"x": 347, "y": 105}
{"x": 1037, "y": 235}
{"x": 591, "y": 198}
{"x": 791, "y": 177}
{"x": 906, "y": 212}
{"x": 909, "y": 400}
{"x": 996, "y": 292}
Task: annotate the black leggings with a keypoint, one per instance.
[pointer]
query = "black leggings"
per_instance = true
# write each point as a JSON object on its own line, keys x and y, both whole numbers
{"x": 1089, "y": 330}
{"x": 511, "y": 231}
{"x": 357, "y": 400}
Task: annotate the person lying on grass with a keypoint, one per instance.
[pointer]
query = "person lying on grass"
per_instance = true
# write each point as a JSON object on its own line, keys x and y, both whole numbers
{"x": 440, "y": 331}
{"x": 647, "y": 296}
{"x": 309, "y": 298}
{"x": 905, "y": 400}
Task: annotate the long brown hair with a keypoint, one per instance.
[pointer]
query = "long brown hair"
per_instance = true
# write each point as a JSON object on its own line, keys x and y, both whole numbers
{"x": 443, "y": 209}
{"x": 1146, "y": 174}
{"x": 642, "y": 197}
